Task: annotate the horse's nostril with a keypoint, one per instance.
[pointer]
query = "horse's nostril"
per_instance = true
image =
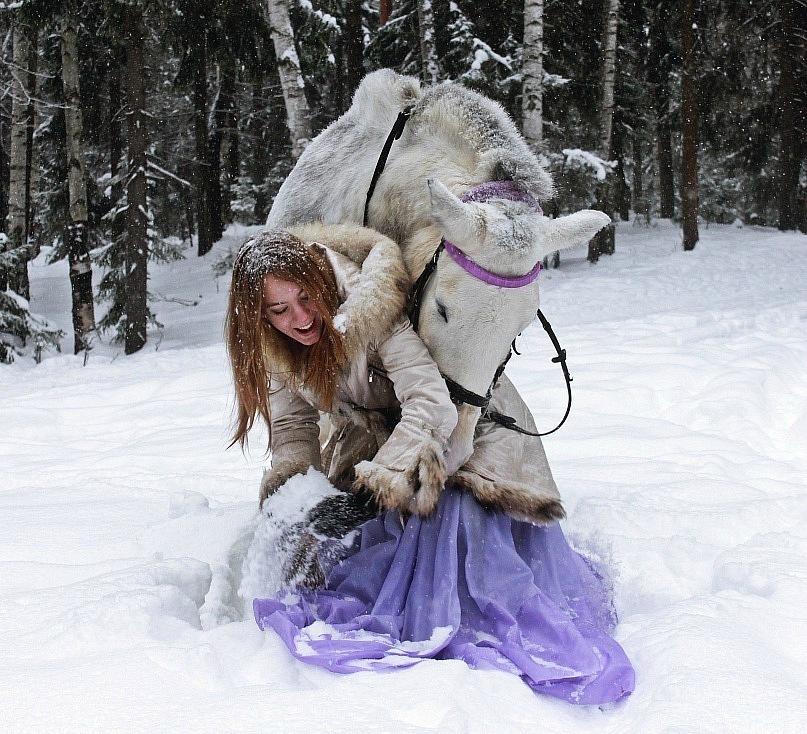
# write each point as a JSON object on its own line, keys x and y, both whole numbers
{"x": 441, "y": 310}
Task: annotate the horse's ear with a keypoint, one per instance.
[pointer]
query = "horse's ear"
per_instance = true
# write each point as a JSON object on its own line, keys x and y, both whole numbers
{"x": 574, "y": 229}
{"x": 453, "y": 216}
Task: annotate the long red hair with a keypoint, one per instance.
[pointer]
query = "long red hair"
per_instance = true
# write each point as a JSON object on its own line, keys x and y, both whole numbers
{"x": 257, "y": 350}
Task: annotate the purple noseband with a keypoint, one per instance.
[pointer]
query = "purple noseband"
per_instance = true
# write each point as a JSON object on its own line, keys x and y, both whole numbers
{"x": 510, "y": 191}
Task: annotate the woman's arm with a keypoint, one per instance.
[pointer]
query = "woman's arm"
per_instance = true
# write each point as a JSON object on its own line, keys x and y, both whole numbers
{"x": 408, "y": 472}
{"x": 294, "y": 438}
{"x": 419, "y": 386}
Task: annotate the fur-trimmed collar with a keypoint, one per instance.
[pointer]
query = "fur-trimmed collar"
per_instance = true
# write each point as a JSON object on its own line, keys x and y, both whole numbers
{"x": 372, "y": 278}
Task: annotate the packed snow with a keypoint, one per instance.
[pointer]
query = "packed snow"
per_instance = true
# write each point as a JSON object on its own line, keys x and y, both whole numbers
{"x": 125, "y": 523}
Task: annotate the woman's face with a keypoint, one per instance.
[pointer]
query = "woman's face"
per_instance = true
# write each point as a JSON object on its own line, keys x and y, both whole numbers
{"x": 290, "y": 311}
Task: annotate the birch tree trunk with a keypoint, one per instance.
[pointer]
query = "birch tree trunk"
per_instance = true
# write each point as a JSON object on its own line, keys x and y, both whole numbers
{"x": 19, "y": 188}
{"x": 291, "y": 78}
{"x": 78, "y": 251}
{"x": 611, "y": 22}
{"x": 428, "y": 49}
{"x": 532, "y": 85}
{"x": 689, "y": 127}
{"x": 136, "y": 258}
{"x": 603, "y": 242}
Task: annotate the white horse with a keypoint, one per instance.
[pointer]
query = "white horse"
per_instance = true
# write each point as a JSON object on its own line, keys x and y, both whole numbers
{"x": 460, "y": 172}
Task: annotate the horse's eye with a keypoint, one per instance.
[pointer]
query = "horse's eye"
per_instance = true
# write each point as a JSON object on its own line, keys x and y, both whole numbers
{"x": 441, "y": 310}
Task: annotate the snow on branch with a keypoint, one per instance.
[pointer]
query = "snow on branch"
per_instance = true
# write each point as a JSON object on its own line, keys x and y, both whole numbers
{"x": 577, "y": 158}
{"x": 325, "y": 18}
{"x": 483, "y": 52}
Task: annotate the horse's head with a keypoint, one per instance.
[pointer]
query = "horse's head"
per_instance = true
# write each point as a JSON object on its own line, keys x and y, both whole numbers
{"x": 470, "y": 312}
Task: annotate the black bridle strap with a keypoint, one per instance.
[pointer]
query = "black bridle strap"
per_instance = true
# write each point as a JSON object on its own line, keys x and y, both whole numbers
{"x": 460, "y": 395}
{"x": 420, "y": 286}
{"x": 394, "y": 134}
{"x": 507, "y": 421}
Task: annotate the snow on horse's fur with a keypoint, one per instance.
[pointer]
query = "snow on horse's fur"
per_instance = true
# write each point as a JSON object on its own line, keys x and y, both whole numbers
{"x": 454, "y": 140}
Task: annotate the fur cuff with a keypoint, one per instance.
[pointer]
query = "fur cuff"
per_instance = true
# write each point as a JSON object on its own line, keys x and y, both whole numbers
{"x": 277, "y": 476}
{"x": 517, "y": 500}
{"x": 413, "y": 489}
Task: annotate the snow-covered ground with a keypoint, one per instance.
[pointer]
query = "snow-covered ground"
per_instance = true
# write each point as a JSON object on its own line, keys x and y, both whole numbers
{"x": 124, "y": 521}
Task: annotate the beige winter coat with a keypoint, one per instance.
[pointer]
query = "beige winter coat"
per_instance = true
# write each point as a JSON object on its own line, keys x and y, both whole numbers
{"x": 390, "y": 384}
{"x": 509, "y": 470}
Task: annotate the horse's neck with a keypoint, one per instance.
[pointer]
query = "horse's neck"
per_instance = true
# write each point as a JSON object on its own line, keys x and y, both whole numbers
{"x": 419, "y": 248}
{"x": 403, "y": 202}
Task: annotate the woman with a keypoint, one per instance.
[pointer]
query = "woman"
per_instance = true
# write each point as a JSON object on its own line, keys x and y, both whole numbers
{"x": 310, "y": 332}
{"x": 464, "y": 581}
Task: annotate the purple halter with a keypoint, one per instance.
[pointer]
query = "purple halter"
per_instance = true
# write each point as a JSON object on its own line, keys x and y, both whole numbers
{"x": 510, "y": 191}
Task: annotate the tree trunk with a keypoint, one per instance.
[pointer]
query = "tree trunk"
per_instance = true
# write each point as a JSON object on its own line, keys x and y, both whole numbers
{"x": 77, "y": 249}
{"x": 223, "y": 149}
{"x": 384, "y": 10}
{"x": 532, "y": 71}
{"x": 430, "y": 70}
{"x": 4, "y": 173}
{"x": 789, "y": 144}
{"x": 689, "y": 127}
{"x": 603, "y": 242}
{"x": 638, "y": 199}
{"x": 621, "y": 191}
{"x": 202, "y": 172}
{"x": 353, "y": 47}
{"x": 666, "y": 178}
{"x": 19, "y": 188}
{"x": 292, "y": 83}
{"x": 610, "y": 24}
{"x": 136, "y": 258}
{"x": 659, "y": 77}
{"x": 31, "y": 159}
{"x": 255, "y": 162}
{"x": 116, "y": 114}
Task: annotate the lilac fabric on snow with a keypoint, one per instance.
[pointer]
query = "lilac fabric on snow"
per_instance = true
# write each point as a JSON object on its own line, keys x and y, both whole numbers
{"x": 467, "y": 584}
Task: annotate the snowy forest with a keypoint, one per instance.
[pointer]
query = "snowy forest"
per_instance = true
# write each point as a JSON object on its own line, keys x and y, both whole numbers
{"x": 134, "y": 131}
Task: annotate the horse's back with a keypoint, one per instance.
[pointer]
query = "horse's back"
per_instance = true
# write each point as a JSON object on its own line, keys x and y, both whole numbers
{"x": 461, "y": 118}
{"x": 454, "y": 134}
{"x": 331, "y": 178}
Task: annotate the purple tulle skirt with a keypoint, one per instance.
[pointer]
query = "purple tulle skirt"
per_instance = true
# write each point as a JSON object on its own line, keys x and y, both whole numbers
{"x": 468, "y": 584}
